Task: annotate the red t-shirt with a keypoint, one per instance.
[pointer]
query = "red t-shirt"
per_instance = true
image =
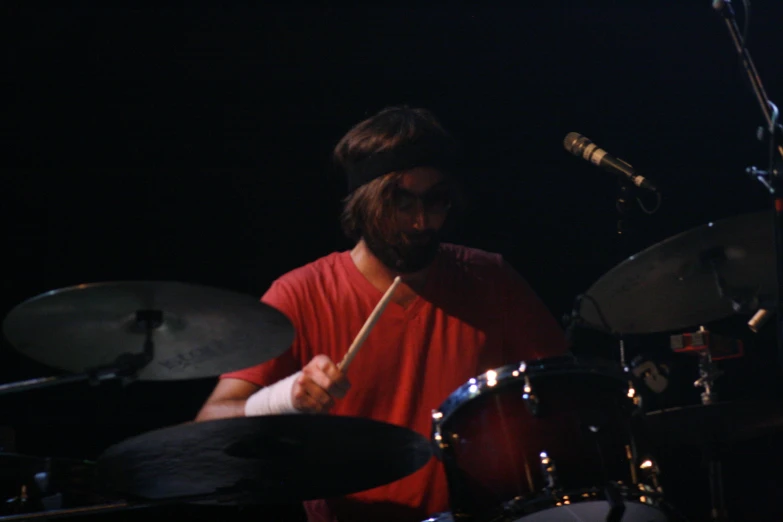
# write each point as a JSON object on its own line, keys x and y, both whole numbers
{"x": 474, "y": 314}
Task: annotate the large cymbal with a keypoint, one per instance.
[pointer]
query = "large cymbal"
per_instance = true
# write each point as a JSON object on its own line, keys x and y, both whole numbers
{"x": 672, "y": 285}
{"x": 277, "y": 458}
{"x": 204, "y": 331}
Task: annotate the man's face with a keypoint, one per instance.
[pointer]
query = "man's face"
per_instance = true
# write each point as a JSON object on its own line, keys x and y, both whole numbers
{"x": 421, "y": 201}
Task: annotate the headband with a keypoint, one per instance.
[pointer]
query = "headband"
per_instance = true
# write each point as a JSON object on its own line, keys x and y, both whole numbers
{"x": 437, "y": 153}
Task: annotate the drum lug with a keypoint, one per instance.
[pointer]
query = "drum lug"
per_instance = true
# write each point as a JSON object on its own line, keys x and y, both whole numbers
{"x": 649, "y": 472}
{"x": 549, "y": 471}
{"x": 636, "y": 398}
{"x": 530, "y": 398}
{"x": 437, "y": 435}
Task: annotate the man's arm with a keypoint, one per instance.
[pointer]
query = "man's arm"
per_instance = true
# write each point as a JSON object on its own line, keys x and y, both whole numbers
{"x": 312, "y": 390}
{"x": 227, "y": 400}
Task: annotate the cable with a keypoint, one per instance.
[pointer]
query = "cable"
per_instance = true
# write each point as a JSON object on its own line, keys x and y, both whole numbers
{"x": 657, "y": 204}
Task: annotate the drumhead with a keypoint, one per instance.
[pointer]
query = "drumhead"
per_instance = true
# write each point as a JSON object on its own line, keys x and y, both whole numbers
{"x": 597, "y": 511}
{"x": 497, "y": 378}
{"x": 590, "y": 511}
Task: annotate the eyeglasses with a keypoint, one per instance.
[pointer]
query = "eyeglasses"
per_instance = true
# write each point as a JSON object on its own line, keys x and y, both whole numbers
{"x": 435, "y": 201}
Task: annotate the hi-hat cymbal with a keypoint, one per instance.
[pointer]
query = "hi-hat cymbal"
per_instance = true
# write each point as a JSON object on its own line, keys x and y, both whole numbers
{"x": 203, "y": 332}
{"x": 717, "y": 423}
{"x": 276, "y": 458}
{"x": 689, "y": 279}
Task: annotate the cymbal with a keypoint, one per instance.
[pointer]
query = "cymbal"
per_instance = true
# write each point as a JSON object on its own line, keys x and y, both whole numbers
{"x": 672, "y": 285}
{"x": 204, "y": 331}
{"x": 720, "y": 422}
{"x": 267, "y": 459}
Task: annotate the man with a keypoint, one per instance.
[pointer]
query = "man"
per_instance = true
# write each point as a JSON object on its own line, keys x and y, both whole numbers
{"x": 458, "y": 312}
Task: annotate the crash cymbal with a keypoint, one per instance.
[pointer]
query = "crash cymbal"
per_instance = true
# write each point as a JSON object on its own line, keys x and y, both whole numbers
{"x": 674, "y": 284}
{"x": 717, "y": 423}
{"x": 279, "y": 458}
{"x": 203, "y": 331}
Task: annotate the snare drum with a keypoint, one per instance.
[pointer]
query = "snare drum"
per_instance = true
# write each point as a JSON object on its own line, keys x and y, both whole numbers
{"x": 549, "y": 439}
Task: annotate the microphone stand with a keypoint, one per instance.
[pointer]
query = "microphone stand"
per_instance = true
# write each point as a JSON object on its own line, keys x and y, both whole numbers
{"x": 771, "y": 178}
{"x": 623, "y": 204}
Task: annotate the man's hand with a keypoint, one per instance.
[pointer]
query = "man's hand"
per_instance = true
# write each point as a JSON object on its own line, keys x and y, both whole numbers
{"x": 319, "y": 384}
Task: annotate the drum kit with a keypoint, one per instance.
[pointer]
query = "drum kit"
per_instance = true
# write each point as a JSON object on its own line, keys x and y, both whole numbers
{"x": 563, "y": 438}
{"x": 555, "y": 439}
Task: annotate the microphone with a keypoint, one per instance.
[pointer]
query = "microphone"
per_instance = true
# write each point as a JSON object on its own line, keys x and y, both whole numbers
{"x": 578, "y": 145}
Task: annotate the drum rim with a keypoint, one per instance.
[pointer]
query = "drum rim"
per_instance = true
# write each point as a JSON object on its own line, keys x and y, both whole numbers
{"x": 499, "y": 377}
{"x": 638, "y": 494}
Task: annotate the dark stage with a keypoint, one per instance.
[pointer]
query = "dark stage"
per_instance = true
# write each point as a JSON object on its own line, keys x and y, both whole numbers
{"x": 193, "y": 145}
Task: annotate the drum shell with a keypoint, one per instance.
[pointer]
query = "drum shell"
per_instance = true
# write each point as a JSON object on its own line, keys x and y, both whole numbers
{"x": 493, "y": 441}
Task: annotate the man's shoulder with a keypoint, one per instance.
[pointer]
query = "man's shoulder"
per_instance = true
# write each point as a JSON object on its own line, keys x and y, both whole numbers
{"x": 317, "y": 271}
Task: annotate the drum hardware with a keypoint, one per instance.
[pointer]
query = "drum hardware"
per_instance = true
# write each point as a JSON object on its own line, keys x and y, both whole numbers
{"x": 631, "y": 457}
{"x": 616, "y": 504}
{"x": 710, "y": 349}
{"x": 708, "y": 373}
{"x": 654, "y": 375}
{"x": 650, "y": 472}
{"x": 621, "y": 343}
{"x": 549, "y": 472}
{"x": 759, "y": 319}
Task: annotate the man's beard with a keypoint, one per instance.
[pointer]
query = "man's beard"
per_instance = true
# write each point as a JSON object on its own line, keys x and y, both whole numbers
{"x": 409, "y": 253}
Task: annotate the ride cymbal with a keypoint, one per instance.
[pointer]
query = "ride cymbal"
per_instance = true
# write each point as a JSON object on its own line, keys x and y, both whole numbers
{"x": 198, "y": 331}
{"x": 702, "y": 275}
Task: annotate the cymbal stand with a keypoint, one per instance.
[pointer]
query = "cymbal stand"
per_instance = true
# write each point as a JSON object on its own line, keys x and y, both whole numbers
{"x": 119, "y": 505}
{"x": 772, "y": 178}
{"x": 708, "y": 373}
{"x": 125, "y": 367}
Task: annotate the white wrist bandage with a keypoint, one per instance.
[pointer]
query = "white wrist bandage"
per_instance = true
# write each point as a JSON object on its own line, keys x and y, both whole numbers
{"x": 273, "y": 399}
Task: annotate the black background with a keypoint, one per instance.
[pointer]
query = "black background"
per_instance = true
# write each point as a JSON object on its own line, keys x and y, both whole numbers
{"x": 193, "y": 145}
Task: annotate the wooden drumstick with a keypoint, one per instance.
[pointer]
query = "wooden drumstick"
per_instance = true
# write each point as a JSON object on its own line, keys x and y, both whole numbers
{"x": 368, "y": 325}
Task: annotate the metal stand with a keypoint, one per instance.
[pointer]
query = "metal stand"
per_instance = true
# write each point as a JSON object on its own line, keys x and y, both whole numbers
{"x": 771, "y": 178}
{"x": 125, "y": 367}
{"x": 715, "y": 472}
{"x": 708, "y": 374}
{"x": 623, "y": 205}
{"x": 120, "y": 505}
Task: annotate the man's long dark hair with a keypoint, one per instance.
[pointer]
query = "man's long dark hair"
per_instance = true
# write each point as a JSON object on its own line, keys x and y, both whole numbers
{"x": 368, "y": 208}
